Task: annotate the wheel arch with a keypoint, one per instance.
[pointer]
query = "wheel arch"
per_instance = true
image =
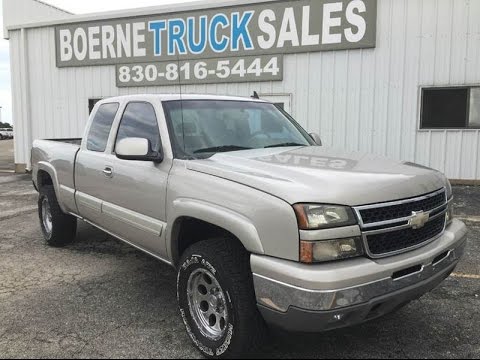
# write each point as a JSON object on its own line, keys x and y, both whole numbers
{"x": 204, "y": 220}
{"x": 46, "y": 175}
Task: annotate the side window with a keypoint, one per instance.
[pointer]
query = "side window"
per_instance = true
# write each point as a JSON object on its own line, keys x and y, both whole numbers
{"x": 100, "y": 130}
{"x": 139, "y": 121}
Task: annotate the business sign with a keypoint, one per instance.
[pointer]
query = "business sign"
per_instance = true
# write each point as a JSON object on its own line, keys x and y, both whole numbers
{"x": 270, "y": 28}
{"x": 243, "y": 69}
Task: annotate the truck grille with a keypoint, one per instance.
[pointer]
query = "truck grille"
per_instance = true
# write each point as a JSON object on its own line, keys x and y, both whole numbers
{"x": 394, "y": 241}
{"x": 399, "y": 211}
{"x": 390, "y": 228}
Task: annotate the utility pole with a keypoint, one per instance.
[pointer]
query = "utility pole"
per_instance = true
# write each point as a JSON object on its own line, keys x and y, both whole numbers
{"x": 0, "y": 114}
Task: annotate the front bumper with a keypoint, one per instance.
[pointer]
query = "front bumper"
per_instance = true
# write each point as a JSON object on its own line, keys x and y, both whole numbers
{"x": 321, "y": 297}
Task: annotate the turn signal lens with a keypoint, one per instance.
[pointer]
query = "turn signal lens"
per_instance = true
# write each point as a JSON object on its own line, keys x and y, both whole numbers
{"x": 450, "y": 209}
{"x": 331, "y": 250}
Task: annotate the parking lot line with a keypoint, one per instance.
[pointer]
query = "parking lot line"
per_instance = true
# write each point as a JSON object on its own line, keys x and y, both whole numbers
{"x": 469, "y": 218}
{"x": 466, "y": 276}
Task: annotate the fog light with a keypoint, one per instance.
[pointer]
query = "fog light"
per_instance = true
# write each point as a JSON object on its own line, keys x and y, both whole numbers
{"x": 330, "y": 250}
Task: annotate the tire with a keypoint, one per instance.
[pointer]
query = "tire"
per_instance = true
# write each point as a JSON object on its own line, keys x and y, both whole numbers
{"x": 58, "y": 228}
{"x": 226, "y": 262}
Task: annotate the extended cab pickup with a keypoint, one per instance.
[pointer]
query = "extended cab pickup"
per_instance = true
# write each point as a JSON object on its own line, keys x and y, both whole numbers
{"x": 262, "y": 223}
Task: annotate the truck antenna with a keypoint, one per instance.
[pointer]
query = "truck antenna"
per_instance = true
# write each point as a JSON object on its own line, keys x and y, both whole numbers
{"x": 181, "y": 101}
{"x": 255, "y": 96}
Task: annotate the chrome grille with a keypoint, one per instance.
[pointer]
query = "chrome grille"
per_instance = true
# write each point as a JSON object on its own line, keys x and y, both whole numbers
{"x": 385, "y": 243}
{"x": 390, "y": 228}
{"x": 375, "y": 215}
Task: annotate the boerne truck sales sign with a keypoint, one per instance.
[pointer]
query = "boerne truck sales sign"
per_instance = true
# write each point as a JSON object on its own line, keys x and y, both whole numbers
{"x": 243, "y": 43}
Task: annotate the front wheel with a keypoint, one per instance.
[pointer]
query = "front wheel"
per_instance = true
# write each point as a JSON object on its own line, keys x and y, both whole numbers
{"x": 217, "y": 299}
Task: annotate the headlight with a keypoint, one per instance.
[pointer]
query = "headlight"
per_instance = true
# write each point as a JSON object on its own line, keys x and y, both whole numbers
{"x": 315, "y": 217}
{"x": 450, "y": 212}
{"x": 330, "y": 250}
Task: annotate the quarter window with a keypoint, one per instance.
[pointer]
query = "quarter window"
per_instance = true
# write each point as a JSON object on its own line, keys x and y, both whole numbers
{"x": 139, "y": 121}
{"x": 101, "y": 125}
{"x": 451, "y": 108}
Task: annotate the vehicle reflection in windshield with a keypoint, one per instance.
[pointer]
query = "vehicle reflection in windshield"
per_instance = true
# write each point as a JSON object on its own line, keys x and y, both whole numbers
{"x": 206, "y": 127}
{"x": 309, "y": 161}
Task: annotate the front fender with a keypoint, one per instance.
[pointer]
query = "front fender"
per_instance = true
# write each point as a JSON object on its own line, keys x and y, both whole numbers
{"x": 235, "y": 223}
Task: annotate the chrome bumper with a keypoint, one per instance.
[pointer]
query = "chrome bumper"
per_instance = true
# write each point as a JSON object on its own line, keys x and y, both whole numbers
{"x": 282, "y": 285}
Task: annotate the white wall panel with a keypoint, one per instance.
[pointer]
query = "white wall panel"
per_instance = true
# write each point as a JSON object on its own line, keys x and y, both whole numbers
{"x": 364, "y": 100}
{"x": 29, "y": 11}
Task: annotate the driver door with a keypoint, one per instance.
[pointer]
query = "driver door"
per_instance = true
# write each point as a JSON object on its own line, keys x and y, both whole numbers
{"x": 135, "y": 206}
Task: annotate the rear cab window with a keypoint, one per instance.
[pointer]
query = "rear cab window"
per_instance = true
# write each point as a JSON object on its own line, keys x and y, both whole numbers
{"x": 99, "y": 133}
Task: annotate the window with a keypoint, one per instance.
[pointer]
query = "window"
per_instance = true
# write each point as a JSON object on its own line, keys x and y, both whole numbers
{"x": 100, "y": 130}
{"x": 202, "y": 128}
{"x": 139, "y": 121}
{"x": 91, "y": 104}
{"x": 450, "y": 108}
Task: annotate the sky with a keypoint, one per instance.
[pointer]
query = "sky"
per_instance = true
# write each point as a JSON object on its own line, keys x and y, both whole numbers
{"x": 74, "y": 6}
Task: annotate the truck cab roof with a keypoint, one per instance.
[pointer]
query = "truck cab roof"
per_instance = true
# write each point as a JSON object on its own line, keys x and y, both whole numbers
{"x": 176, "y": 97}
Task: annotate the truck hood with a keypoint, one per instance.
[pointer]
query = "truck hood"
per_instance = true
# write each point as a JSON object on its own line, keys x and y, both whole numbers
{"x": 322, "y": 175}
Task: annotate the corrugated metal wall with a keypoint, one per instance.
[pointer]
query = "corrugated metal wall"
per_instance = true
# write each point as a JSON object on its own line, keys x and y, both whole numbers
{"x": 366, "y": 100}
{"x": 29, "y": 11}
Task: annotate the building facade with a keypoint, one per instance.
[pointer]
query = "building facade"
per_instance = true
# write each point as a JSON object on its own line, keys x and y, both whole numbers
{"x": 400, "y": 78}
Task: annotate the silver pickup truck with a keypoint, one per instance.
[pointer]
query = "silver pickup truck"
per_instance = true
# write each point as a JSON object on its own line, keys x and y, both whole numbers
{"x": 262, "y": 223}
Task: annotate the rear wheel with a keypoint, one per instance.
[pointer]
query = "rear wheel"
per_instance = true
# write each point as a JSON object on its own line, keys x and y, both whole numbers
{"x": 58, "y": 228}
{"x": 217, "y": 299}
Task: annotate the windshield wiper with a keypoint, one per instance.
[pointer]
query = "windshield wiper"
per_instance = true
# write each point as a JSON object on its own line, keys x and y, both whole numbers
{"x": 224, "y": 148}
{"x": 284, "y": 145}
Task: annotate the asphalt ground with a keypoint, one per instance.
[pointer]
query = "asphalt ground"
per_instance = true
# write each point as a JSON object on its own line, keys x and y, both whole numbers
{"x": 102, "y": 299}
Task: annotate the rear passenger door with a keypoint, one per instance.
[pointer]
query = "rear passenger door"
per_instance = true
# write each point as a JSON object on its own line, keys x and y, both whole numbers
{"x": 94, "y": 163}
{"x": 134, "y": 206}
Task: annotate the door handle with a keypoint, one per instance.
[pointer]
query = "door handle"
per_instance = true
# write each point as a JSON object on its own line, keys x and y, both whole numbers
{"x": 108, "y": 172}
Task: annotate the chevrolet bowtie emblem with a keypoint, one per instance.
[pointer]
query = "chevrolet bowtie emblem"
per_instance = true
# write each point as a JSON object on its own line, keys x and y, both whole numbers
{"x": 418, "y": 219}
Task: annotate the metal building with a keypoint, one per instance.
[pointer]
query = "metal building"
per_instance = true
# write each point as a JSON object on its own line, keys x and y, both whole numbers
{"x": 399, "y": 78}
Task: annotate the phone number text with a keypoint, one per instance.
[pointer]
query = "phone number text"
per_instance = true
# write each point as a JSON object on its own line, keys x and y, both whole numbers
{"x": 245, "y": 69}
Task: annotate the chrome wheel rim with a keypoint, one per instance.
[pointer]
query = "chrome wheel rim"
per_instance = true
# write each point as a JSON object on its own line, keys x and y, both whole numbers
{"x": 47, "y": 217}
{"x": 207, "y": 303}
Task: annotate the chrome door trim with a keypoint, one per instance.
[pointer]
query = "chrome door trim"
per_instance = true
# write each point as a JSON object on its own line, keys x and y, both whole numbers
{"x": 90, "y": 202}
{"x": 134, "y": 219}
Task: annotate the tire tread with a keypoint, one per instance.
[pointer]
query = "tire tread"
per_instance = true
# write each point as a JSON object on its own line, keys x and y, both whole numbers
{"x": 64, "y": 226}
{"x": 234, "y": 262}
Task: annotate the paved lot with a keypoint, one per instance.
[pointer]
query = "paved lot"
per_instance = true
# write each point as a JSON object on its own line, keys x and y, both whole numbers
{"x": 100, "y": 298}
{"x": 6, "y": 155}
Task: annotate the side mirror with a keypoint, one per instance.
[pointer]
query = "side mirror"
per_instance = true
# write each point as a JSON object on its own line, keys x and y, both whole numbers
{"x": 137, "y": 149}
{"x": 316, "y": 138}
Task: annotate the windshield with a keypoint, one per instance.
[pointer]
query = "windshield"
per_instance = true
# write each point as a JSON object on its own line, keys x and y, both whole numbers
{"x": 201, "y": 128}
